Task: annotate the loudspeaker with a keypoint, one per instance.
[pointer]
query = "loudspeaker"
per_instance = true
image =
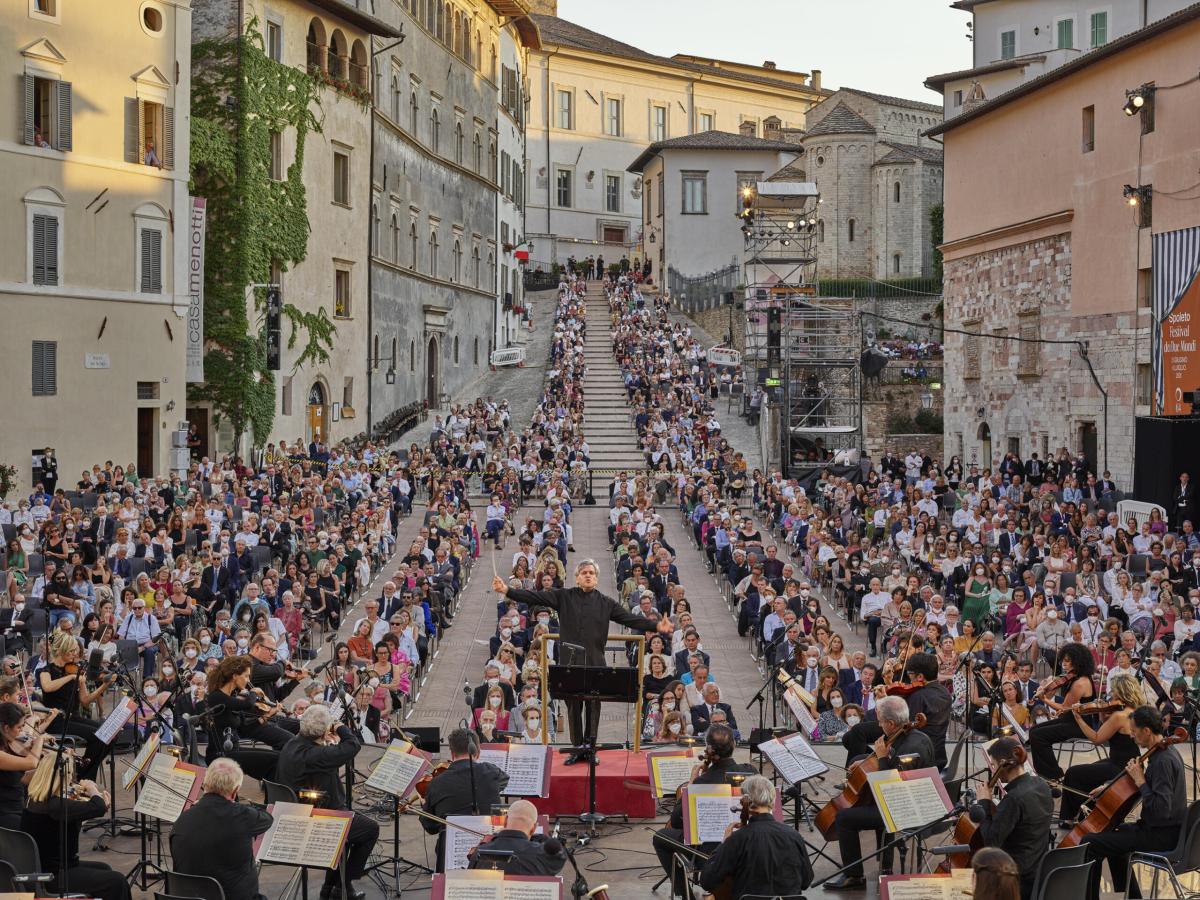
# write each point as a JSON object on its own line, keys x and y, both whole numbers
{"x": 428, "y": 738}
{"x": 1164, "y": 446}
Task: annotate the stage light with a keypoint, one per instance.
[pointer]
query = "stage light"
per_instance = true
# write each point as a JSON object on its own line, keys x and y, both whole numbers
{"x": 791, "y": 224}
{"x": 1138, "y": 100}
{"x": 1131, "y": 194}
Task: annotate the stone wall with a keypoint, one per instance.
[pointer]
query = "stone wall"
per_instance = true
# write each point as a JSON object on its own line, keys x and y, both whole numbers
{"x": 1036, "y": 397}
{"x": 716, "y": 322}
{"x": 880, "y": 402}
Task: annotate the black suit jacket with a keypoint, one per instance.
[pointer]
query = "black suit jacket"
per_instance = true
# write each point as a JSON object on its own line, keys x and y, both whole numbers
{"x": 216, "y": 838}
{"x": 451, "y": 794}
{"x": 584, "y": 617}
{"x": 206, "y": 584}
{"x": 717, "y": 773}
{"x": 681, "y": 660}
{"x": 529, "y": 857}
{"x": 700, "y": 721}
{"x": 305, "y": 764}
{"x": 103, "y": 536}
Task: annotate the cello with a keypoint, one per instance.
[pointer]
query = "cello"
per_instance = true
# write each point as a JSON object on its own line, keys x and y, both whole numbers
{"x": 1118, "y": 797}
{"x": 856, "y": 790}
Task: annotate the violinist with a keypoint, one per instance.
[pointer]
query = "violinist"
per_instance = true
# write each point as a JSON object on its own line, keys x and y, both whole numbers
{"x": 267, "y": 672}
{"x": 235, "y": 713}
{"x": 1021, "y": 821}
{"x": 716, "y": 768}
{"x": 466, "y": 787}
{"x": 64, "y": 686}
{"x": 1160, "y": 782}
{"x": 20, "y": 750}
{"x": 1116, "y": 730}
{"x": 893, "y": 718}
{"x": 761, "y": 856}
{"x": 1076, "y": 664}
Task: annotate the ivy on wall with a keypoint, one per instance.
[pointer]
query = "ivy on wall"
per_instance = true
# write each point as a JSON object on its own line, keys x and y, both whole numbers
{"x": 240, "y": 97}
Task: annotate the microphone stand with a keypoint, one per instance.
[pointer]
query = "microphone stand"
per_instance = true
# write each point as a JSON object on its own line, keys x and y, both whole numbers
{"x": 898, "y": 840}
{"x": 579, "y": 887}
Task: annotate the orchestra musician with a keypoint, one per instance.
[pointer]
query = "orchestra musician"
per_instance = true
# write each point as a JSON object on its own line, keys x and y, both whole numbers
{"x": 215, "y": 837}
{"x": 531, "y": 854}
{"x": 1117, "y": 731}
{"x": 1019, "y": 824}
{"x": 893, "y": 716}
{"x": 53, "y": 797}
{"x": 20, "y": 750}
{"x": 1160, "y": 783}
{"x": 467, "y": 787}
{"x": 268, "y": 671}
{"x": 763, "y": 856}
{"x": 1077, "y": 665}
{"x": 922, "y": 693}
{"x": 237, "y": 714}
{"x": 64, "y": 687}
{"x": 313, "y": 760}
{"x": 583, "y": 614}
{"x": 716, "y": 768}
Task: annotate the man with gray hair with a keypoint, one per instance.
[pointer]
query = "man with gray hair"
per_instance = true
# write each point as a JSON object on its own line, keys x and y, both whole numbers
{"x": 313, "y": 760}
{"x": 583, "y": 615}
{"x": 530, "y": 853}
{"x": 762, "y": 857}
{"x": 897, "y": 747}
{"x": 216, "y": 836}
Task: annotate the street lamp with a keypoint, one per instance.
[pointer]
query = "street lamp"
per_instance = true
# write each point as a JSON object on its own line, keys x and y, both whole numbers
{"x": 926, "y": 400}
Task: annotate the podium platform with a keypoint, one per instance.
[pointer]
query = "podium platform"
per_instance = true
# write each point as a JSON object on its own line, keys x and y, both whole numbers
{"x": 569, "y": 786}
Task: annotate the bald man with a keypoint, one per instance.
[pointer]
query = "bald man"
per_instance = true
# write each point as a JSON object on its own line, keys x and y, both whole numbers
{"x": 529, "y": 856}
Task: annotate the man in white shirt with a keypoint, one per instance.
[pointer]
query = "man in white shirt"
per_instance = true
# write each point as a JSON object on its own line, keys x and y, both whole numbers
{"x": 928, "y": 505}
{"x": 871, "y": 611}
{"x": 912, "y": 466}
{"x": 379, "y": 626}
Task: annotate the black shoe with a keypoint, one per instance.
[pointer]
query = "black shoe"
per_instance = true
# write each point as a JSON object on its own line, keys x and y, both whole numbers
{"x": 572, "y": 758}
{"x": 846, "y": 882}
{"x": 1064, "y": 825}
{"x": 334, "y": 892}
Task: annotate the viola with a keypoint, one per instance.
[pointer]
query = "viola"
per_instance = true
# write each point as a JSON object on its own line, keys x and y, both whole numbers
{"x": 1118, "y": 797}
{"x": 856, "y": 791}
{"x": 422, "y": 786}
{"x": 966, "y": 832}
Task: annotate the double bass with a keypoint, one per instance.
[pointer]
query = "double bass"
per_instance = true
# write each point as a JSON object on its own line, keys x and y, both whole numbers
{"x": 1117, "y": 798}
{"x": 856, "y": 790}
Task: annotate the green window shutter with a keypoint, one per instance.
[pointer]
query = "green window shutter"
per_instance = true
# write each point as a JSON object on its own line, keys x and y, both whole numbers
{"x": 168, "y": 147}
{"x": 62, "y": 114}
{"x": 27, "y": 89}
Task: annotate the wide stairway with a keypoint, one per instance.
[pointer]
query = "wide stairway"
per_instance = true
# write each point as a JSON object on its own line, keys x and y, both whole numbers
{"x": 610, "y": 433}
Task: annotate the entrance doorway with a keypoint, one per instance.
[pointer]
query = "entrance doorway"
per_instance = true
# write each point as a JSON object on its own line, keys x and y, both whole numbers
{"x": 431, "y": 373}
{"x": 1087, "y": 445}
{"x": 317, "y": 425}
{"x": 985, "y": 440}
{"x": 145, "y": 441}
{"x": 198, "y": 416}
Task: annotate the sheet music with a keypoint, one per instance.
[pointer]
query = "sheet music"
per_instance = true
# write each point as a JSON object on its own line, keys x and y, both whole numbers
{"x": 138, "y": 766}
{"x": 493, "y": 885}
{"x": 911, "y": 804}
{"x": 710, "y": 810}
{"x": 459, "y": 843}
{"x": 498, "y": 758}
{"x": 325, "y": 840}
{"x": 304, "y": 836}
{"x": 164, "y": 794}
{"x": 669, "y": 772}
{"x": 526, "y": 768}
{"x": 531, "y": 890}
{"x": 397, "y": 769}
{"x": 286, "y": 839}
{"x": 793, "y": 758}
{"x": 955, "y": 886}
{"x": 803, "y": 717}
{"x": 115, "y": 721}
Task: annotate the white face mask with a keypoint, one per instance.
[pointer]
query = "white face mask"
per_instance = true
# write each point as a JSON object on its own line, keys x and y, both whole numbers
{"x": 1093, "y": 618}
{"x": 150, "y": 691}
{"x": 534, "y": 724}
{"x": 205, "y": 641}
{"x": 812, "y": 663}
{"x": 674, "y": 728}
{"x": 506, "y": 633}
{"x": 852, "y": 720}
{"x": 495, "y": 701}
{"x": 543, "y": 620}
{"x": 1052, "y": 614}
{"x": 243, "y": 643}
{"x": 492, "y": 682}
{"x": 836, "y": 702}
{"x": 669, "y": 705}
{"x": 168, "y": 671}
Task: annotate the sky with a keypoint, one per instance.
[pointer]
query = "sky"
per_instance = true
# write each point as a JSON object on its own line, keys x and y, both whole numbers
{"x": 885, "y": 46}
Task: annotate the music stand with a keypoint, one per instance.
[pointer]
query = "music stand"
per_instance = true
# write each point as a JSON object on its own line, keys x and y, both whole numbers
{"x": 593, "y": 684}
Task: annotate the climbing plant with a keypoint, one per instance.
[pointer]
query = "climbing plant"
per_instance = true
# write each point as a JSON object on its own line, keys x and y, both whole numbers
{"x": 937, "y": 219}
{"x": 240, "y": 97}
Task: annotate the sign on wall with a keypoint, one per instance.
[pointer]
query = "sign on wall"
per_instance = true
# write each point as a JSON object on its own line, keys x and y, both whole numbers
{"x": 1176, "y": 305}
{"x": 195, "y": 277}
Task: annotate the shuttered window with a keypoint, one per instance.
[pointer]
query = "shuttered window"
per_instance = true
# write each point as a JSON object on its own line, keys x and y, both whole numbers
{"x": 147, "y": 121}
{"x": 45, "y": 368}
{"x": 45, "y": 249}
{"x": 150, "y": 277}
{"x": 48, "y": 112}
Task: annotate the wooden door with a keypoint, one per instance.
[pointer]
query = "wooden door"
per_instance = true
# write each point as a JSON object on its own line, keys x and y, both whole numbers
{"x": 145, "y": 442}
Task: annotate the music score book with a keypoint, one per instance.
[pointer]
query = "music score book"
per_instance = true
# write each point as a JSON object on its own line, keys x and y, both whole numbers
{"x": 911, "y": 799}
{"x": 527, "y": 766}
{"x": 793, "y": 758}
{"x": 711, "y": 808}
{"x": 494, "y": 885}
{"x": 459, "y": 842}
{"x": 171, "y": 786}
{"x": 668, "y": 769}
{"x": 957, "y": 884}
{"x": 116, "y": 720}
{"x": 400, "y": 767}
{"x": 138, "y": 766}
{"x": 302, "y": 835}
{"x": 799, "y": 701}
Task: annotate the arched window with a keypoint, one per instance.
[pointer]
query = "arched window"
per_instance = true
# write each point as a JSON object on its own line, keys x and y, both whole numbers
{"x": 456, "y": 349}
{"x": 358, "y": 65}
{"x": 412, "y": 238}
{"x": 475, "y": 264}
{"x": 412, "y": 112}
{"x": 396, "y": 99}
{"x": 476, "y": 351}
{"x": 440, "y": 24}
{"x": 896, "y": 192}
{"x": 458, "y": 35}
{"x": 850, "y": 228}
{"x": 431, "y": 14}
{"x": 491, "y": 268}
{"x": 478, "y": 61}
{"x": 433, "y": 254}
{"x": 821, "y": 231}
{"x": 493, "y": 68}
{"x": 412, "y": 356}
{"x": 492, "y": 161}
{"x": 896, "y": 264}
{"x": 457, "y": 254}
{"x": 458, "y": 143}
{"x": 375, "y": 231}
{"x": 435, "y": 126}
{"x": 339, "y": 54}
{"x": 316, "y": 45}
{"x": 478, "y": 153}
{"x": 395, "y": 240}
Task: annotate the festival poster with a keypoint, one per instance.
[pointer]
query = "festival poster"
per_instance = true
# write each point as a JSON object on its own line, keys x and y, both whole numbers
{"x": 1180, "y": 361}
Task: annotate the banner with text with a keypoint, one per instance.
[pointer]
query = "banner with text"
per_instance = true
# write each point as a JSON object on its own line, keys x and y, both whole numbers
{"x": 1176, "y": 305}
{"x": 195, "y": 276}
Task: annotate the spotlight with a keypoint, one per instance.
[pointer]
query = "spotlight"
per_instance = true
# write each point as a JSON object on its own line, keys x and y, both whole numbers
{"x": 1137, "y": 99}
{"x": 1135, "y": 195}
{"x": 791, "y": 224}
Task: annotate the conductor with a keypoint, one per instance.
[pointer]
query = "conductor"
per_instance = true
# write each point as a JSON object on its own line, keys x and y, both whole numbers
{"x": 583, "y": 615}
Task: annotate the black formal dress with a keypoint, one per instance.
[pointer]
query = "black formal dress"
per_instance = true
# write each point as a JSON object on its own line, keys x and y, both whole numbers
{"x": 234, "y": 720}
{"x": 1019, "y": 826}
{"x": 763, "y": 857}
{"x": 583, "y": 618}
{"x": 43, "y": 822}
{"x": 464, "y": 789}
{"x": 529, "y": 857}
{"x": 1085, "y": 777}
{"x": 66, "y": 698}
{"x": 1043, "y": 736}
{"x": 266, "y": 677}
{"x": 216, "y": 838}
{"x": 306, "y": 765}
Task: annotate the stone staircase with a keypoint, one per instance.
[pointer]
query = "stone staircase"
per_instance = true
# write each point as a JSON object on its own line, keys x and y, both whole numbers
{"x": 610, "y": 433}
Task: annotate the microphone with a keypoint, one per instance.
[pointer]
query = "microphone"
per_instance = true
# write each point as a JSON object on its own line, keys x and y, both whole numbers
{"x": 227, "y": 746}
{"x": 553, "y": 847}
{"x": 951, "y": 848}
{"x": 977, "y": 812}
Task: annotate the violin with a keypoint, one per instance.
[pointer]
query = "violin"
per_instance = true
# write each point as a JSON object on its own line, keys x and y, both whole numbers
{"x": 966, "y": 831}
{"x": 1112, "y": 804}
{"x": 422, "y": 786}
{"x": 856, "y": 791}
{"x": 1051, "y": 686}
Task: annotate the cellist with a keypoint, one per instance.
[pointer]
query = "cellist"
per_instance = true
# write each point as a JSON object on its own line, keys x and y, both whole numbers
{"x": 1160, "y": 782}
{"x": 1117, "y": 732}
{"x": 1020, "y": 823}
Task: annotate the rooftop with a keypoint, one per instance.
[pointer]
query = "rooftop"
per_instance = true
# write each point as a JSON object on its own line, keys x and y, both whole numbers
{"x": 936, "y": 82}
{"x": 841, "y": 120}
{"x": 356, "y": 17}
{"x": 896, "y": 101}
{"x": 712, "y": 140}
{"x": 899, "y": 151}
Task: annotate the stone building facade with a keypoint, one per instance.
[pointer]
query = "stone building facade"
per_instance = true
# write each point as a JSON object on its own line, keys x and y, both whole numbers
{"x": 878, "y": 178}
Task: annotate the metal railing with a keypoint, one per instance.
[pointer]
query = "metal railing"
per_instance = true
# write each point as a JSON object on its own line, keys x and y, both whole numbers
{"x": 869, "y": 287}
{"x": 692, "y": 293}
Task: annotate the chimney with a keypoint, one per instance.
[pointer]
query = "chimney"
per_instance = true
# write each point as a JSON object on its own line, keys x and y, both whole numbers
{"x": 814, "y": 80}
{"x": 975, "y": 97}
{"x": 545, "y": 7}
{"x": 768, "y": 64}
{"x": 771, "y": 128}
{"x": 747, "y": 129}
